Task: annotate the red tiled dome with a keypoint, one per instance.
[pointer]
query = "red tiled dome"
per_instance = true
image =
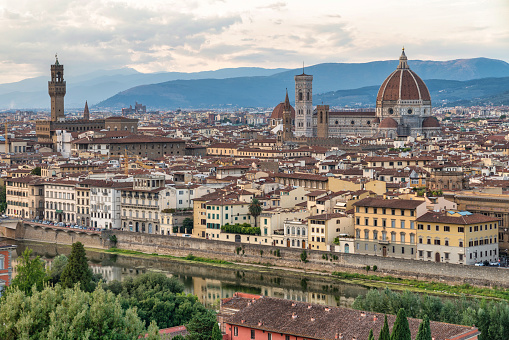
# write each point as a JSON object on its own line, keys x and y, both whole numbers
{"x": 403, "y": 84}
{"x": 277, "y": 113}
{"x": 388, "y": 123}
{"x": 430, "y": 122}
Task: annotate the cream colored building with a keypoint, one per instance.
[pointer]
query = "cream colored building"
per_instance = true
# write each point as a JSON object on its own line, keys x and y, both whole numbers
{"x": 25, "y": 197}
{"x": 324, "y": 228}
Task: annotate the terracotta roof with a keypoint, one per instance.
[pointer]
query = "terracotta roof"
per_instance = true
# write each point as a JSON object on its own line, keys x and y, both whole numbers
{"x": 430, "y": 122}
{"x": 403, "y": 84}
{"x": 456, "y": 219}
{"x": 385, "y": 203}
{"x": 388, "y": 123}
{"x": 277, "y": 113}
{"x": 313, "y": 321}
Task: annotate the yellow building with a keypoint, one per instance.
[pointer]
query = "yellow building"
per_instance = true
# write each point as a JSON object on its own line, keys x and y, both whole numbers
{"x": 225, "y": 211}
{"x": 25, "y": 197}
{"x": 457, "y": 237}
{"x": 386, "y": 227}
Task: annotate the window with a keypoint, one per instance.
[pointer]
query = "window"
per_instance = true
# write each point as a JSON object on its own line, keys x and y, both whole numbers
{"x": 384, "y": 223}
{"x": 393, "y": 211}
{"x": 420, "y": 227}
{"x": 446, "y": 255}
{"x": 366, "y": 234}
{"x": 402, "y": 238}
{"x": 447, "y": 228}
{"x": 402, "y": 212}
{"x": 461, "y": 243}
{"x": 446, "y": 242}
{"x": 402, "y": 224}
{"x": 428, "y": 254}
{"x": 235, "y": 331}
{"x": 269, "y": 336}
{"x": 412, "y": 225}
{"x": 375, "y": 222}
{"x": 437, "y": 228}
{"x": 437, "y": 242}
{"x": 421, "y": 253}
{"x": 393, "y": 223}
{"x": 460, "y": 257}
{"x": 366, "y": 221}
{"x": 253, "y": 334}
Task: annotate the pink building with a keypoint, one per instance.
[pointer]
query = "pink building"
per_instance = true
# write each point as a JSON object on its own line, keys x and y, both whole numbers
{"x": 5, "y": 265}
{"x": 263, "y": 318}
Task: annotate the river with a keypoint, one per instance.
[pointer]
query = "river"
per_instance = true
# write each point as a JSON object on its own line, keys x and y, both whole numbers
{"x": 207, "y": 282}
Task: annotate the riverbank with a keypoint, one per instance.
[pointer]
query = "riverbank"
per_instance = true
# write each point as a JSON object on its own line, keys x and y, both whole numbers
{"x": 370, "y": 281}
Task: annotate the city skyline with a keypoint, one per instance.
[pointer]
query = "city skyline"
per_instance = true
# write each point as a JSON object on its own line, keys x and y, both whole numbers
{"x": 207, "y": 35}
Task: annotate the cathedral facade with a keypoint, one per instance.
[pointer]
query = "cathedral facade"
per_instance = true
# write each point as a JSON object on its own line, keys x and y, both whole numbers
{"x": 403, "y": 108}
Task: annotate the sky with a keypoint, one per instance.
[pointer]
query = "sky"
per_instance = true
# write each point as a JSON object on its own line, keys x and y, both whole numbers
{"x": 199, "y": 35}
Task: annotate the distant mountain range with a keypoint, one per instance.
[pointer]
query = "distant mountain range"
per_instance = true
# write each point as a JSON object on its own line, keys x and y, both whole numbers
{"x": 98, "y": 85}
{"x": 337, "y": 84}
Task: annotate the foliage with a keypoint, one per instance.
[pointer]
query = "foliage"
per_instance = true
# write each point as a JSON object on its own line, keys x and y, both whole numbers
{"x": 30, "y": 273}
{"x": 401, "y": 329}
{"x": 244, "y": 229}
{"x": 336, "y": 241}
{"x": 77, "y": 269}
{"x": 3, "y": 198}
{"x": 255, "y": 209}
{"x": 36, "y": 171}
{"x": 277, "y": 253}
{"x": 491, "y": 317}
{"x": 424, "y": 332}
{"x": 63, "y": 313}
{"x": 367, "y": 268}
{"x": 375, "y": 267}
{"x": 431, "y": 286}
{"x": 57, "y": 267}
{"x": 384, "y": 332}
{"x": 157, "y": 298}
{"x": 201, "y": 326}
{"x": 187, "y": 225}
{"x": 216, "y": 333}
{"x": 304, "y": 256}
{"x": 113, "y": 240}
{"x": 371, "y": 336}
{"x": 503, "y": 116}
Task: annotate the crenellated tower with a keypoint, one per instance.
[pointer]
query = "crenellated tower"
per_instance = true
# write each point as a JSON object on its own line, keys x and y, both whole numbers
{"x": 56, "y": 90}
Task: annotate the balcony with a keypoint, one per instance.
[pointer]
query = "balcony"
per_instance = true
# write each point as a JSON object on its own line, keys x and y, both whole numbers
{"x": 381, "y": 241}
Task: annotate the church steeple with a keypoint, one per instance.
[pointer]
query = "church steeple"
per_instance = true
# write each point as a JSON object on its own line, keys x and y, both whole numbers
{"x": 288, "y": 107}
{"x": 86, "y": 113}
{"x": 403, "y": 61}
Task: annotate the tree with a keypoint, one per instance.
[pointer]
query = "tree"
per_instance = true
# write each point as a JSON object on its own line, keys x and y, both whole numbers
{"x": 371, "y": 336}
{"x": 36, "y": 171}
{"x": 255, "y": 209}
{"x": 216, "y": 333}
{"x": 188, "y": 225}
{"x": 384, "y": 332}
{"x": 424, "y": 332}
{"x": 30, "y": 273}
{"x": 77, "y": 270}
{"x": 3, "y": 198}
{"x": 63, "y": 313}
{"x": 401, "y": 329}
{"x": 57, "y": 267}
{"x": 201, "y": 326}
{"x": 157, "y": 298}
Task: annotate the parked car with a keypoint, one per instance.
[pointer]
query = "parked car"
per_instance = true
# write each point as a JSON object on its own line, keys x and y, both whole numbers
{"x": 495, "y": 264}
{"x": 479, "y": 264}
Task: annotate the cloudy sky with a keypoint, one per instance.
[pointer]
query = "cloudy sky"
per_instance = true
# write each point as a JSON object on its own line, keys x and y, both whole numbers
{"x": 196, "y": 35}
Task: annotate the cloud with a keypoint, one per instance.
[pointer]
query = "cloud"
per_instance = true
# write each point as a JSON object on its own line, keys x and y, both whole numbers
{"x": 276, "y": 6}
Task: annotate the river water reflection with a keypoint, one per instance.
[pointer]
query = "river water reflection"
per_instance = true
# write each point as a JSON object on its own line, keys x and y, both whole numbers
{"x": 210, "y": 283}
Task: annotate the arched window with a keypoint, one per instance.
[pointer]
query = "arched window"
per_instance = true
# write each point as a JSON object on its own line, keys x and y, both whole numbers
{"x": 308, "y": 96}
{"x": 300, "y": 95}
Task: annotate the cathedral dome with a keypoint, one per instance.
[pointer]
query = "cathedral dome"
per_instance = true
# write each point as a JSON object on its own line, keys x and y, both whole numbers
{"x": 388, "y": 123}
{"x": 403, "y": 84}
{"x": 430, "y": 122}
{"x": 277, "y": 113}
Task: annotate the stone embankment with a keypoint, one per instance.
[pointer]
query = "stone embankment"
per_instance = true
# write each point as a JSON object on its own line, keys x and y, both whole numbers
{"x": 261, "y": 254}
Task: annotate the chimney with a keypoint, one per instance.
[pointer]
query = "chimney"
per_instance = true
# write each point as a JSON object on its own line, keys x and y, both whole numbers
{"x": 327, "y": 309}
{"x": 242, "y": 321}
{"x": 260, "y": 323}
{"x": 312, "y": 319}
{"x": 309, "y": 307}
{"x": 294, "y": 315}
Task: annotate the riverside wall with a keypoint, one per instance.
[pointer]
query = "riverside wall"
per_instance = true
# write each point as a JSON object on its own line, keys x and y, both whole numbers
{"x": 261, "y": 254}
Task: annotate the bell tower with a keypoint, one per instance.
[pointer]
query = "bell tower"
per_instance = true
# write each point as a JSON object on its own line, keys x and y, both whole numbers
{"x": 56, "y": 90}
{"x": 303, "y": 105}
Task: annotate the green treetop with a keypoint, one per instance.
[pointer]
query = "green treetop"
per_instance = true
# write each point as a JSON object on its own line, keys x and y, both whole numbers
{"x": 384, "y": 332}
{"x": 77, "y": 270}
{"x": 30, "y": 273}
{"x": 401, "y": 329}
{"x": 424, "y": 332}
{"x": 255, "y": 209}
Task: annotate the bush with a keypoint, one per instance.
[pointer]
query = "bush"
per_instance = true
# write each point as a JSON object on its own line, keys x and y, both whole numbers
{"x": 245, "y": 229}
{"x": 304, "y": 256}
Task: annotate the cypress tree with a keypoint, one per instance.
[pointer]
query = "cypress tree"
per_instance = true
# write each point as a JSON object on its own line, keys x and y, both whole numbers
{"x": 401, "y": 329}
{"x": 371, "y": 336}
{"x": 384, "y": 332}
{"x": 77, "y": 270}
{"x": 424, "y": 330}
